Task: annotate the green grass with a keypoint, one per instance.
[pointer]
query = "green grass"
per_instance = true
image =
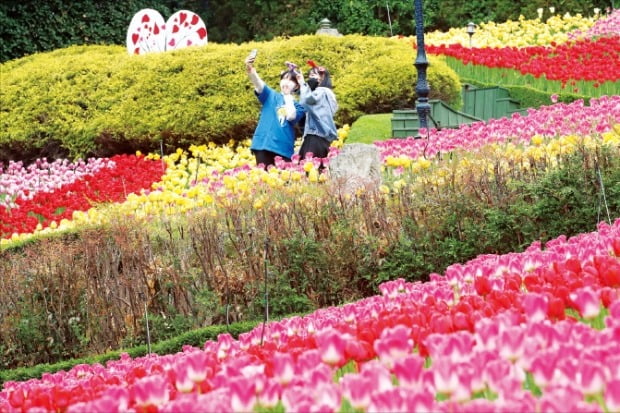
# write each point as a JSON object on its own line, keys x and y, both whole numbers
{"x": 371, "y": 128}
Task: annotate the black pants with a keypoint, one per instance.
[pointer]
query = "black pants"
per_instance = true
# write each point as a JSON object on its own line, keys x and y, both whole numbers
{"x": 317, "y": 145}
{"x": 267, "y": 157}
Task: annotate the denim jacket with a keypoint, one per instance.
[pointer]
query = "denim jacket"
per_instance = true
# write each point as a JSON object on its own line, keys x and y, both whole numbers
{"x": 321, "y": 106}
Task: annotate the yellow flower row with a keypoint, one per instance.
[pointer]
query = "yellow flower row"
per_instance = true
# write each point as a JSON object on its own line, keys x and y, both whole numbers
{"x": 506, "y": 159}
{"x": 198, "y": 180}
{"x": 518, "y": 33}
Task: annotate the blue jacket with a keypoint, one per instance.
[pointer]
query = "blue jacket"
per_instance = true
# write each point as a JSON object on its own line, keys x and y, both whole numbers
{"x": 274, "y": 132}
{"x": 320, "y": 106}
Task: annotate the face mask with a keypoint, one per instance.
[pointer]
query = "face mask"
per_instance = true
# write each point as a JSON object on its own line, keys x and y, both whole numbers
{"x": 313, "y": 83}
{"x": 287, "y": 85}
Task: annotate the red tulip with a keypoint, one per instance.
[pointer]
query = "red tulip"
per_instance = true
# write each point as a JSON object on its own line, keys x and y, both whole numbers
{"x": 615, "y": 246}
{"x": 482, "y": 285}
{"x": 441, "y": 323}
{"x": 611, "y": 276}
{"x": 462, "y": 321}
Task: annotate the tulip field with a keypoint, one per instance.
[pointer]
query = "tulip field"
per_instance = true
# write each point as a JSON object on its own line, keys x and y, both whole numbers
{"x": 547, "y": 57}
{"x": 531, "y": 331}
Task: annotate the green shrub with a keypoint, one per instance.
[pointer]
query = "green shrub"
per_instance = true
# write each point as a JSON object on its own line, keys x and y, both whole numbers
{"x": 98, "y": 100}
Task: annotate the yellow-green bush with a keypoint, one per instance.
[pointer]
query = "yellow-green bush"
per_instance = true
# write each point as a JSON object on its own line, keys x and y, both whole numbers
{"x": 98, "y": 100}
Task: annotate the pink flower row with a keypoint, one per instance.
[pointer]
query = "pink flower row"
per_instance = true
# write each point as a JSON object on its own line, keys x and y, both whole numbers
{"x": 452, "y": 344}
{"x": 548, "y": 121}
{"x": 605, "y": 26}
{"x": 19, "y": 182}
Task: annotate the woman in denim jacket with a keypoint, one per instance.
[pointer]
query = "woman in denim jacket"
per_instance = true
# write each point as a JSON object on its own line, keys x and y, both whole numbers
{"x": 319, "y": 101}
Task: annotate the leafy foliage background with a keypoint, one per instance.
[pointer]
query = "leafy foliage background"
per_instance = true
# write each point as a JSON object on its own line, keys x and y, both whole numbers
{"x": 31, "y": 26}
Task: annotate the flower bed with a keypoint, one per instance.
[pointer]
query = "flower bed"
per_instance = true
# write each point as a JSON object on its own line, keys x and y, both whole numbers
{"x": 208, "y": 177}
{"x": 531, "y": 331}
{"x": 44, "y": 194}
{"x": 571, "y": 53}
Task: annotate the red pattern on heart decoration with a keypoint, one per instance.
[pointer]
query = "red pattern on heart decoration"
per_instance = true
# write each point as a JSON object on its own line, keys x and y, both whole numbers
{"x": 184, "y": 28}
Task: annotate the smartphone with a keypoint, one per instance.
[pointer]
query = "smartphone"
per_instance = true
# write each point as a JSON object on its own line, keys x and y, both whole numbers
{"x": 253, "y": 54}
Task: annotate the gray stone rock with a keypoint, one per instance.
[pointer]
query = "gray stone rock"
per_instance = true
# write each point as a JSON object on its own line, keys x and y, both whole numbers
{"x": 357, "y": 165}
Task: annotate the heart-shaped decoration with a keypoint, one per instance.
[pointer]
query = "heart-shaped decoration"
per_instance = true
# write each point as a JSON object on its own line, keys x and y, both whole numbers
{"x": 148, "y": 32}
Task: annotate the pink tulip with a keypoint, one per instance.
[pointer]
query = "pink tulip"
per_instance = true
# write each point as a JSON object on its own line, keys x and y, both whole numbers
{"x": 401, "y": 400}
{"x": 614, "y": 309}
{"x": 408, "y": 371}
{"x": 184, "y": 403}
{"x": 446, "y": 380}
{"x": 297, "y": 399}
{"x": 543, "y": 368}
{"x": 224, "y": 345}
{"x": 379, "y": 375}
{"x": 270, "y": 394}
{"x": 242, "y": 394}
{"x": 357, "y": 389}
{"x": 331, "y": 345}
{"x": 587, "y": 302}
{"x": 535, "y": 307}
{"x": 150, "y": 391}
{"x": 283, "y": 368}
{"x": 218, "y": 400}
{"x": 393, "y": 344}
{"x": 612, "y": 395}
{"x": 510, "y": 344}
{"x": 321, "y": 373}
{"x": 327, "y": 397}
{"x": 197, "y": 366}
{"x": 560, "y": 398}
{"x": 182, "y": 381}
{"x": 308, "y": 360}
{"x": 590, "y": 377}
{"x": 457, "y": 346}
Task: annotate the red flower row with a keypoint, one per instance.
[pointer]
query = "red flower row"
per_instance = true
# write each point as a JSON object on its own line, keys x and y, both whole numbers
{"x": 130, "y": 175}
{"x": 596, "y": 60}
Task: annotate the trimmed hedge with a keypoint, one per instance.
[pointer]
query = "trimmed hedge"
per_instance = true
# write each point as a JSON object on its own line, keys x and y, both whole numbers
{"x": 195, "y": 338}
{"x": 86, "y": 101}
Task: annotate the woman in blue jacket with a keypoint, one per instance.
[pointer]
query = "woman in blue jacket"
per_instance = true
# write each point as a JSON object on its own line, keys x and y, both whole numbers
{"x": 274, "y": 135}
